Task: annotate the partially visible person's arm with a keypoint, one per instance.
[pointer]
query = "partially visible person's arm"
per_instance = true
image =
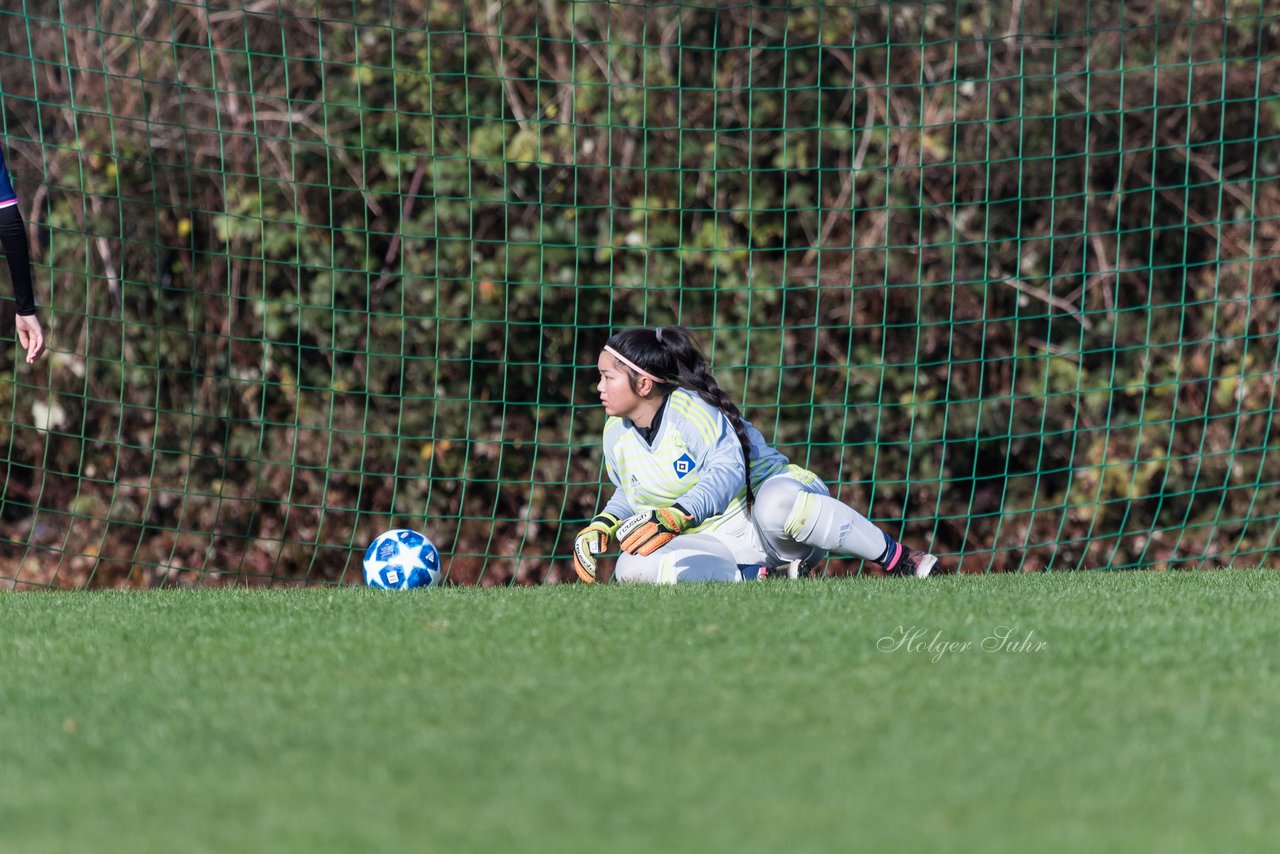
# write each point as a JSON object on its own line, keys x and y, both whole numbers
{"x": 13, "y": 235}
{"x": 17, "y": 251}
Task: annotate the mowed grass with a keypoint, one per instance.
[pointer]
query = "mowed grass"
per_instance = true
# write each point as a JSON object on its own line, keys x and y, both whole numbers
{"x": 1123, "y": 712}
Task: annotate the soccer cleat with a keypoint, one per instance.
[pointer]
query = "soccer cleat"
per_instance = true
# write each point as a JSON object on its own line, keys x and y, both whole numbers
{"x": 913, "y": 563}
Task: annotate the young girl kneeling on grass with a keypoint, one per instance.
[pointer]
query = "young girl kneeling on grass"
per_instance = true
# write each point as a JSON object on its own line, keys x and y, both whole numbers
{"x": 700, "y": 496}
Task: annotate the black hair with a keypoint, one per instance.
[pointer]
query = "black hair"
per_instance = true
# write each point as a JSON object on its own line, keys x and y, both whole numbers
{"x": 672, "y": 354}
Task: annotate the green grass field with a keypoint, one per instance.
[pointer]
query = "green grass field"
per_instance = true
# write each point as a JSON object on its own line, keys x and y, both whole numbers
{"x": 1125, "y": 712}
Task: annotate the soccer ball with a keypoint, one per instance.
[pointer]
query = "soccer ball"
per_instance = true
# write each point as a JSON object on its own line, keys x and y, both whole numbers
{"x": 401, "y": 559}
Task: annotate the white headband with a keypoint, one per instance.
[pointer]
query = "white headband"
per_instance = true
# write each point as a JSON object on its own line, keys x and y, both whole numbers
{"x": 630, "y": 364}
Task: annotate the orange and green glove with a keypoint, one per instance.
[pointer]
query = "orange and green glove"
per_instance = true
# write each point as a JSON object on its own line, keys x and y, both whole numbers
{"x": 590, "y": 542}
{"x": 645, "y": 533}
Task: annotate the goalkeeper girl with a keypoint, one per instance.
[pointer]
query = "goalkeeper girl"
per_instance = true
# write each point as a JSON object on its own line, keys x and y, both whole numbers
{"x": 700, "y": 496}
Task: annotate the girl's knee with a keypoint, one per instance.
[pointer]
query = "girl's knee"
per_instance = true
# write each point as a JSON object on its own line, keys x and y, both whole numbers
{"x": 775, "y": 504}
{"x": 635, "y": 569}
{"x": 698, "y": 558}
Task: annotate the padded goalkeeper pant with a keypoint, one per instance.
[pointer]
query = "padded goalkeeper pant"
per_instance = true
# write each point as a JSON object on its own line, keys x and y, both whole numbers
{"x": 794, "y": 518}
{"x": 797, "y": 519}
{"x": 689, "y": 557}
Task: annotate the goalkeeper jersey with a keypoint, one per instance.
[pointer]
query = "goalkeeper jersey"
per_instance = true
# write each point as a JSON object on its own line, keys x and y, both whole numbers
{"x": 694, "y": 459}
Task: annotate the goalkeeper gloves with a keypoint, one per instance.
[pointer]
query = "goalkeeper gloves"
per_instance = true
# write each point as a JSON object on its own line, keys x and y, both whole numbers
{"x": 645, "y": 533}
{"x": 593, "y": 540}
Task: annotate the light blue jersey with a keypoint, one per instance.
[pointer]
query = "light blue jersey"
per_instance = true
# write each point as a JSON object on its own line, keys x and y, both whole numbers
{"x": 695, "y": 459}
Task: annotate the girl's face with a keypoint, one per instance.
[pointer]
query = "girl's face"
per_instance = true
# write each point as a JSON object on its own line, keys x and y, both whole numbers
{"x": 615, "y": 388}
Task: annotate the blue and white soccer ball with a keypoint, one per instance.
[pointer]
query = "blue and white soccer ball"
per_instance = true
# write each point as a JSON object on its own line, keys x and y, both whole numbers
{"x": 400, "y": 559}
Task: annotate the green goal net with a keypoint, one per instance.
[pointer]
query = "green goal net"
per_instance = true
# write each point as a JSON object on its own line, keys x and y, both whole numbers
{"x": 1002, "y": 273}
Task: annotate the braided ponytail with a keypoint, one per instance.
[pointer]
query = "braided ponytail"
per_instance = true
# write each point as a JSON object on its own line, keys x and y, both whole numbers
{"x": 672, "y": 353}
{"x": 699, "y": 379}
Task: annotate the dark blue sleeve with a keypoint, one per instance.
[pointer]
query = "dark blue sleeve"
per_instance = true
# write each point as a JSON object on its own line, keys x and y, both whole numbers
{"x": 13, "y": 237}
{"x": 7, "y": 195}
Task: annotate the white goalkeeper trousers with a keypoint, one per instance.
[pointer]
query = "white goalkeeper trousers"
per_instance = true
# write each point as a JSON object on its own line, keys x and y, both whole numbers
{"x": 794, "y": 518}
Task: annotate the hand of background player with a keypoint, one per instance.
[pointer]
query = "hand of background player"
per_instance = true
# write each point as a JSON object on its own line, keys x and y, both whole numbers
{"x": 645, "y": 533}
{"x": 30, "y": 336}
{"x": 590, "y": 542}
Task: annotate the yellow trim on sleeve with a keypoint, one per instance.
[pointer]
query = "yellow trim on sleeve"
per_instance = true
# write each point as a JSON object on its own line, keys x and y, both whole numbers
{"x": 697, "y": 416}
